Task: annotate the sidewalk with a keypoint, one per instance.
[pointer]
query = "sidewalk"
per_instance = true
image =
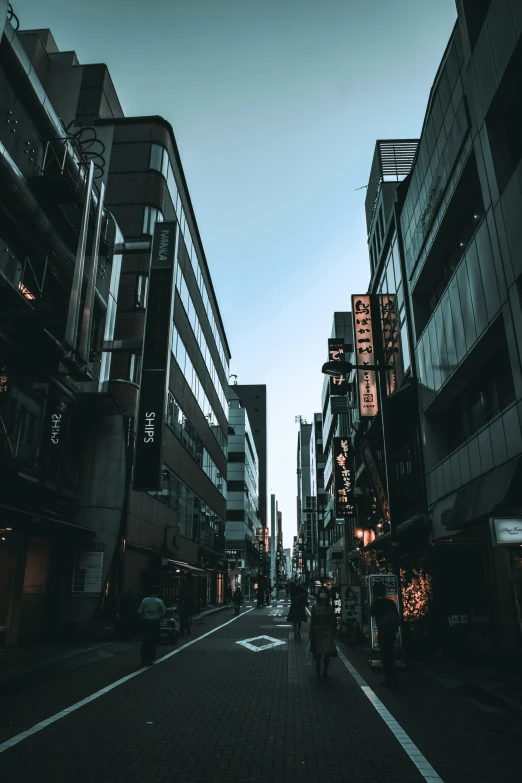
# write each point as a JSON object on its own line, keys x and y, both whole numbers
{"x": 488, "y": 688}
{"x": 23, "y": 667}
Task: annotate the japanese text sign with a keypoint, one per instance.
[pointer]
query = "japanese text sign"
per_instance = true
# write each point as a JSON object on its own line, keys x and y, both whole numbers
{"x": 343, "y": 478}
{"x": 365, "y": 355}
{"x": 390, "y": 340}
{"x": 338, "y": 384}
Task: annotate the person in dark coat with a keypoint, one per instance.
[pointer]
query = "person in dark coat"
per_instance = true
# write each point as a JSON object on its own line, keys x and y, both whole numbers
{"x": 228, "y": 594}
{"x": 384, "y": 610}
{"x": 322, "y": 631}
{"x": 260, "y": 597}
{"x": 185, "y": 612}
{"x": 237, "y": 600}
{"x": 297, "y": 613}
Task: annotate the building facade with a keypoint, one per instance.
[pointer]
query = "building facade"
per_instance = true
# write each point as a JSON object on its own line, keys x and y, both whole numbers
{"x": 172, "y": 532}
{"x": 448, "y": 251}
{"x": 63, "y": 441}
{"x": 243, "y": 523}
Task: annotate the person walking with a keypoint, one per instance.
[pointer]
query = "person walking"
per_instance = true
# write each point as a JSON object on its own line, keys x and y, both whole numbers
{"x": 151, "y": 610}
{"x": 267, "y": 595}
{"x": 260, "y": 597}
{"x": 237, "y": 599}
{"x": 297, "y": 613}
{"x": 185, "y": 613}
{"x": 322, "y": 631}
{"x": 387, "y": 619}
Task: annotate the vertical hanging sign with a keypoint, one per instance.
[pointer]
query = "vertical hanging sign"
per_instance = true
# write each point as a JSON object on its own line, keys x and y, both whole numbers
{"x": 343, "y": 478}
{"x": 148, "y": 466}
{"x": 390, "y": 340}
{"x": 338, "y": 384}
{"x": 365, "y": 355}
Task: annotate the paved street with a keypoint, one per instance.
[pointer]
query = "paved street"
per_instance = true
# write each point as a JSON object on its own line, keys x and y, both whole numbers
{"x": 217, "y": 710}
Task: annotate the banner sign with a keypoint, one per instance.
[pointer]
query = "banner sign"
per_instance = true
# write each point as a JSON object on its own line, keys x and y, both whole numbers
{"x": 148, "y": 466}
{"x": 351, "y": 608}
{"x": 343, "y": 478}
{"x": 390, "y": 340}
{"x": 391, "y": 584}
{"x": 338, "y": 384}
{"x": 365, "y": 354}
{"x": 375, "y": 478}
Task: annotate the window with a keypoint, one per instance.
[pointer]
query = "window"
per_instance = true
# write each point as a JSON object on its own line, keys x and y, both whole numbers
{"x": 142, "y": 283}
{"x": 159, "y": 159}
{"x": 236, "y": 456}
{"x": 134, "y": 368}
{"x": 488, "y": 392}
{"x": 151, "y": 216}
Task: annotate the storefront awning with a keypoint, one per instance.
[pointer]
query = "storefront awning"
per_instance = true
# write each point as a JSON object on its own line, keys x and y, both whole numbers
{"x": 484, "y": 496}
{"x": 175, "y": 564}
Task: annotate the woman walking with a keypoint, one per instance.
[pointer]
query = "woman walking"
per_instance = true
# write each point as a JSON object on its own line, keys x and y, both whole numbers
{"x": 297, "y": 613}
{"x": 237, "y": 600}
{"x": 322, "y": 631}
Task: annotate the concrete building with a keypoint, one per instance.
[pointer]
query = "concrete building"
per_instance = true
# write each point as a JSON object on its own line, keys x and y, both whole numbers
{"x": 450, "y": 252}
{"x": 169, "y": 529}
{"x": 304, "y": 499}
{"x": 63, "y": 454}
{"x": 243, "y": 517}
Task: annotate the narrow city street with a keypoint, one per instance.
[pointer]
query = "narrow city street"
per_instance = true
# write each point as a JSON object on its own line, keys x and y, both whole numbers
{"x": 237, "y": 701}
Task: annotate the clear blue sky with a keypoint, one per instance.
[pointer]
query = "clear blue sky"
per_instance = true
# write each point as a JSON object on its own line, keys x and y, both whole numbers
{"x": 276, "y": 106}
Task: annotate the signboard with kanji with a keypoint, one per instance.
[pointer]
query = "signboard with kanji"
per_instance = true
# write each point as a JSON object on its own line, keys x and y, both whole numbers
{"x": 365, "y": 355}
{"x": 343, "y": 478}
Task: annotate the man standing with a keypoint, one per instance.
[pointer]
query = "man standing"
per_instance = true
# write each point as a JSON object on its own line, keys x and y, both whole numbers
{"x": 151, "y": 610}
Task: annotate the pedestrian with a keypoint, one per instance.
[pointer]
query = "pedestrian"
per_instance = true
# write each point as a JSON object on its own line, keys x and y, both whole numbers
{"x": 287, "y": 588}
{"x": 297, "y": 613}
{"x": 322, "y": 631}
{"x": 151, "y": 610}
{"x": 267, "y": 595}
{"x": 387, "y": 619}
{"x": 229, "y": 594}
{"x": 237, "y": 599}
{"x": 185, "y": 612}
{"x": 260, "y": 597}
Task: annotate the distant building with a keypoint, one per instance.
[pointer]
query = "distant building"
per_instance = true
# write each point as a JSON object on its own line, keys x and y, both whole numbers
{"x": 243, "y": 520}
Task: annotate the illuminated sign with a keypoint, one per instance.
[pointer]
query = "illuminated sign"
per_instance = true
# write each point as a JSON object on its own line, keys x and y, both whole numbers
{"x": 343, "y": 478}
{"x": 506, "y": 531}
{"x": 148, "y": 466}
{"x": 3, "y": 383}
{"x": 390, "y": 340}
{"x": 365, "y": 355}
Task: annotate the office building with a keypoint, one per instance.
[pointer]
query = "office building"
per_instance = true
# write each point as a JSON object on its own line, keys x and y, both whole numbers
{"x": 451, "y": 245}
{"x": 63, "y": 454}
{"x": 243, "y": 523}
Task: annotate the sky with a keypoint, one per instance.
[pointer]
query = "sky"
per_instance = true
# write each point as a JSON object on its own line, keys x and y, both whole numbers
{"x": 276, "y": 106}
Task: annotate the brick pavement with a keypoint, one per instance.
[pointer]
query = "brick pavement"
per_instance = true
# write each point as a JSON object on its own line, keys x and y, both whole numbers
{"x": 219, "y": 712}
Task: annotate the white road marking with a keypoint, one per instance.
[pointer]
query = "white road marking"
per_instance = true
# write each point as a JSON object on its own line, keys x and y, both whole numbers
{"x": 259, "y": 648}
{"x": 48, "y": 721}
{"x": 422, "y": 764}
